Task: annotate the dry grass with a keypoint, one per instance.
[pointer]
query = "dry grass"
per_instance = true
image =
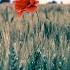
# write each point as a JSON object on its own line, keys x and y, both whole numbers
{"x": 47, "y": 30}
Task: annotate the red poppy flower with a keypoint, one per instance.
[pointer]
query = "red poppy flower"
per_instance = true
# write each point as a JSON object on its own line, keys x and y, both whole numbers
{"x": 25, "y": 5}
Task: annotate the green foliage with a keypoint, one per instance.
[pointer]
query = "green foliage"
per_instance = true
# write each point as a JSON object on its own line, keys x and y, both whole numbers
{"x": 68, "y": 62}
{"x": 54, "y": 64}
{"x": 57, "y": 39}
{"x": 37, "y": 62}
{"x": 45, "y": 63}
{"x": 58, "y": 63}
{"x": 67, "y": 33}
{"x": 13, "y": 60}
{"x": 34, "y": 62}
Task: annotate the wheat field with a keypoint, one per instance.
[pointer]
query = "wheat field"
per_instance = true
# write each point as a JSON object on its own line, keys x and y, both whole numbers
{"x": 39, "y": 41}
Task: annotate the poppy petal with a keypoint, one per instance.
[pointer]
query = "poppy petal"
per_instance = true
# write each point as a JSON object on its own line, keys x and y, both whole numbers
{"x": 19, "y": 6}
{"x": 31, "y": 9}
{"x": 32, "y": 2}
{"x": 25, "y": 5}
{"x": 19, "y": 13}
{"x": 36, "y": 2}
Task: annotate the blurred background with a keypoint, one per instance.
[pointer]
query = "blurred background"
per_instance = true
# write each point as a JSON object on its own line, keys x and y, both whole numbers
{"x": 42, "y": 1}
